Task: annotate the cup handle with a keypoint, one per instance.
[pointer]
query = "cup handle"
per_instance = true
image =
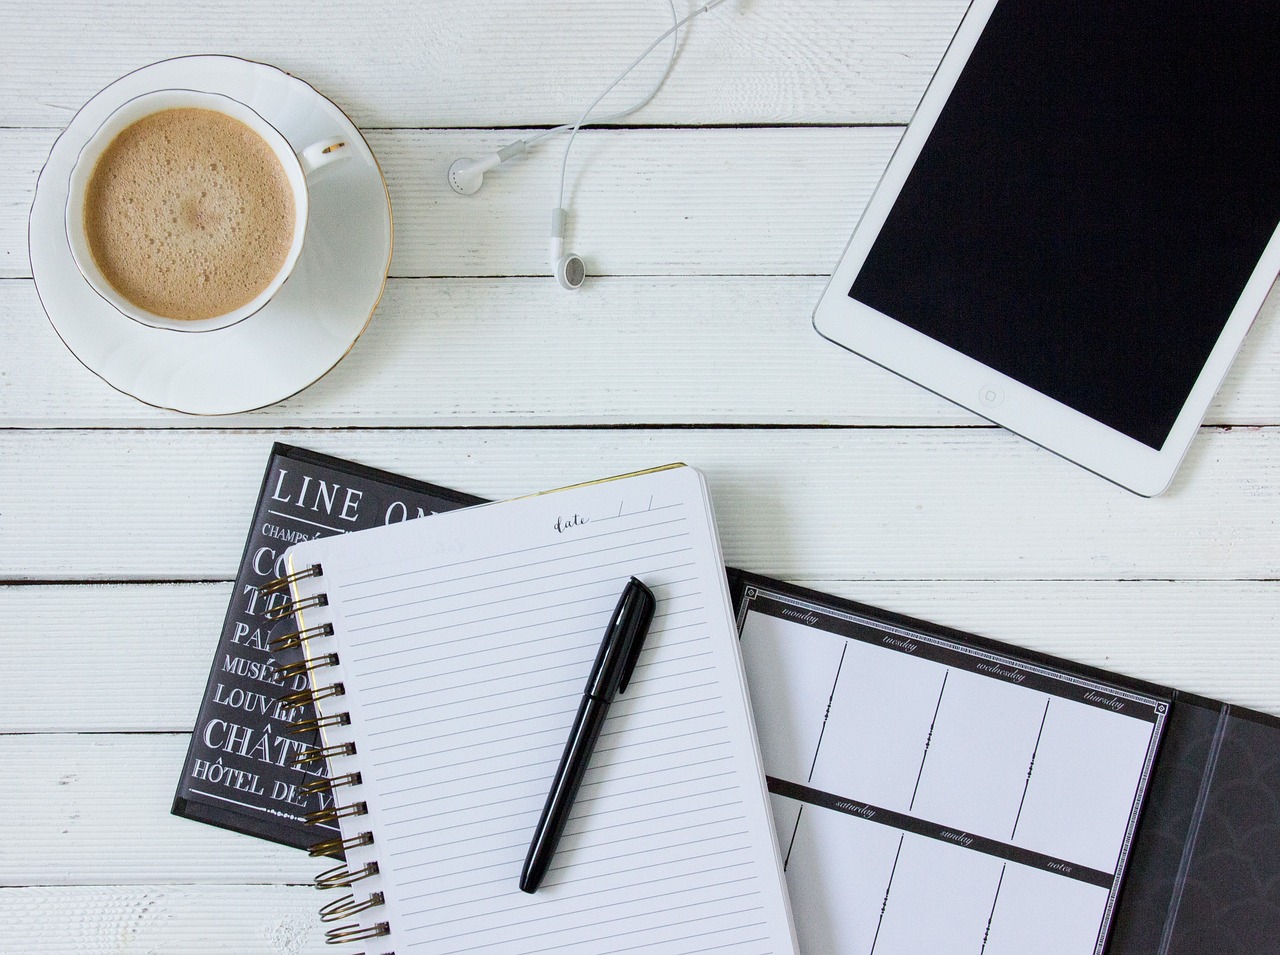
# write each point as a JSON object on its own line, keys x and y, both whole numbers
{"x": 322, "y": 153}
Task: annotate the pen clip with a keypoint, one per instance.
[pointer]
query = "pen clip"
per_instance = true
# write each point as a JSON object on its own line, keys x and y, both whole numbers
{"x": 635, "y": 615}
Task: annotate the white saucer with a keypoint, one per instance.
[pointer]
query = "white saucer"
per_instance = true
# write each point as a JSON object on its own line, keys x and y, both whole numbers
{"x": 303, "y": 332}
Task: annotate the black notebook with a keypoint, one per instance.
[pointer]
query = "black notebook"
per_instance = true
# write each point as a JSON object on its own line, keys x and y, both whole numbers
{"x": 239, "y": 772}
{"x": 934, "y": 791}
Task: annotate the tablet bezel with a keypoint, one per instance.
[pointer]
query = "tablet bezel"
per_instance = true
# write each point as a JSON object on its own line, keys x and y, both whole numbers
{"x": 979, "y": 388}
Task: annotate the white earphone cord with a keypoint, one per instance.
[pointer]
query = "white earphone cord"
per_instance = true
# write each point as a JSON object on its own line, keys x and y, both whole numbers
{"x": 564, "y": 163}
{"x": 644, "y": 101}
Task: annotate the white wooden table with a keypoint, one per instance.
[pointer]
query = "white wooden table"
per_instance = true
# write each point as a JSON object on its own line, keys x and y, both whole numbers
{"x": 708, "y": 221}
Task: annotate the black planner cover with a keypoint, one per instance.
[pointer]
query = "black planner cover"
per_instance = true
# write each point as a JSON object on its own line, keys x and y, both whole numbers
{"x": 1204, "y": 871}
{"x": 237, "y": 773}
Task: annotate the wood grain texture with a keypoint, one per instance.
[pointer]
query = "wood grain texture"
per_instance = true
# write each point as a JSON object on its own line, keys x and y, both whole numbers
{"x": 1209, "y": 637}
{"x": 138, "y": 656}
{"x": 656, "y": 202}
{"x": 94, "y": 810}
{"x": 643, "y": 202}
{"x": 503, "y": 352}
{"x": 162, "y": 920}
{"x": 839, "y": 503}
{"x": 503, "y": 62}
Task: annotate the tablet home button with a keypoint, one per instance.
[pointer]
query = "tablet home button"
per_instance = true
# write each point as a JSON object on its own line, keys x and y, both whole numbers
{"x": 991, "y": 396}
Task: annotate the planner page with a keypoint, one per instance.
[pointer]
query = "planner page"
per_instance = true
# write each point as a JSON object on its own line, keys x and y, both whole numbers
{"x": 464, "y": 646}
{"x": 933, "y": 797}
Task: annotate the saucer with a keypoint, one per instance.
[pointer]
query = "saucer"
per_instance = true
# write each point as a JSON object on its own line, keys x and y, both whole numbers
{"x": 311, "y": 323}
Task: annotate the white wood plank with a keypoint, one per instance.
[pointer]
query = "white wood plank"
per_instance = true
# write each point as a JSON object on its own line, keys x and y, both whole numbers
{"x": 22, "y": 155}
{"x": 490, "y": 345}
{"x": 503, "y": 62}
{"x": 139, "y": 655}
{"x": 888, "y": 504}
{"x": 86, "y": 810}
{"x": 465, "y": 352}
{"x": 643, "y": 202}
{"x": 150, "y": 919}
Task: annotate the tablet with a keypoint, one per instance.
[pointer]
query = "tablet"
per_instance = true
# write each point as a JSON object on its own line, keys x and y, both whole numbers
{"x": 1079, "y": 225}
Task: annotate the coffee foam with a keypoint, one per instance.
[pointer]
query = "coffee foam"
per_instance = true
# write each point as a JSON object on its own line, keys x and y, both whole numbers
{"x": 189, "y": 214}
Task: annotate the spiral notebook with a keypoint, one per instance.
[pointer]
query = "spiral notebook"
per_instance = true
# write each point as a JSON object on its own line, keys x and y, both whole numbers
{"x": 447, "y": 660}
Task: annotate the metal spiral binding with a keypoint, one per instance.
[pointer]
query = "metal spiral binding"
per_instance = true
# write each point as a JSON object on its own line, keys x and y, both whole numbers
{"x": 306, "y": 666}
{"x": 355, "y": 932}
{"x": 310, "y": 695}
{"x": 329, "y": 785}
{"x": 320, "y": 722}
{"x": 281, "y": 584}
{"x": 341, "y": 876}
{"x": 320, "y": 754}
{"x": 290, "y": 607}
{"x": 320, "y": 817}
{"x": 333, "y": 846}
{"x": 347, "y": 906}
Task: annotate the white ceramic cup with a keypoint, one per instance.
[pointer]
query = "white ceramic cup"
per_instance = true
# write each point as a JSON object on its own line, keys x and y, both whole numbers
{"x": 297, "y": 167}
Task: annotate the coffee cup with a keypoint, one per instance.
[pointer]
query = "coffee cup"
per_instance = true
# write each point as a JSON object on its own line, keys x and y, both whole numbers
{"x": 187, "y": 210}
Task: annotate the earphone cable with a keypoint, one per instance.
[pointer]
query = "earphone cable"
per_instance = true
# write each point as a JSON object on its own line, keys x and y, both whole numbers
{"x": 640, "y": 104}
{"x": 564, "y": 163}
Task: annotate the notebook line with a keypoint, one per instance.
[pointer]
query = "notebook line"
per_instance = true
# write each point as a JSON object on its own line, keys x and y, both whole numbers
{"x": 507, "y": 863}
{"x": 470, "y": 654}
{"x": 441, "y": 582}
{"x": 647, "y": 758}
{"x": 683, "y": 938}
{"x": 541, "y": 777}
{"x": 557, "y": 732}
{"x": 472, "y": 621}
{"x": 346, "y": 585}
{"x": 584, "y": 556}
{"x": 703, "y": 951}
{"x": 493, "y": 681}
{"x": 661, "y": 619}
{"x": 455, "y": 888}
{"x": 524, "y": 813}
{"x": 518, "y": 850}
{"x": 703, "y": 857}
{"x": 463, "y": 654}
{"x": 499, "y": 926}
{"x": 645, "y": 789}
{"x": 630, "y": 728}
{"x": 522, "y": 832}
{"x": 542, "y": 763}
{"x": 603, "y": 938}
{"x": 521, "y": 706}
{"x": 579, "y": 662}
{"x": 405, "y": 727}
{"x": 605, "y": 599}
{"x": 615, "y": 887}
{"x": 549, "y": 712}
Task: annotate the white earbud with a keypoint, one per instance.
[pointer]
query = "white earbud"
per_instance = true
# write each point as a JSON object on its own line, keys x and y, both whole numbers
{"x": 568, "y": 268}
{"x": 467, "y": 175}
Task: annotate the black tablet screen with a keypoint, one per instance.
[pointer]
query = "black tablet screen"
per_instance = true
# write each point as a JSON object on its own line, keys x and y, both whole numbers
{"x": 1092, "y": 200}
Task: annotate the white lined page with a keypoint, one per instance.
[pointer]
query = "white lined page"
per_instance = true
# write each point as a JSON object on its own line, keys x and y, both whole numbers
{"x": 465, "y": 643}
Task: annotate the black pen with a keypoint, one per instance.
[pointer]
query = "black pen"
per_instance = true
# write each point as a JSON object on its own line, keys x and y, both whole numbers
{"x": 611, "y": 673}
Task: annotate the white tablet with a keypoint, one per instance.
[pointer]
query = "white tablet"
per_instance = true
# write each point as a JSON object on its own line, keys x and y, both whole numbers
{"x": 1079, "y": 225}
